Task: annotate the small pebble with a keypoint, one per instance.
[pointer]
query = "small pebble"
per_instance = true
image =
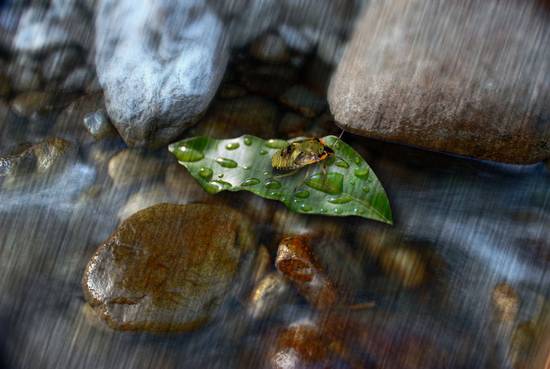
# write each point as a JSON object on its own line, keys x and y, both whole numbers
{"x": 293, "y": 125}
{"x": 505, "y": 302}
{"x": 5, "y": 86}
{"x": 296, "y": 262}
{"x": 132, "y": 166}
{"x": 267, "y": 295}
{"x": 29, "y": 103}
{"x": 270, "y": 48}
{"x": 98, "y": 124}
{"x": 405, "y": 265}
{"x": 77, "y": 80}
{"x": 231, "y": 91}
{"x": 303, "y": 101}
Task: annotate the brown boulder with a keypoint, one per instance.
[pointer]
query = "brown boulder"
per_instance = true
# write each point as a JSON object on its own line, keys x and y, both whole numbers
{"x": 168, "y": 267}
{"x": 466, "y": 77}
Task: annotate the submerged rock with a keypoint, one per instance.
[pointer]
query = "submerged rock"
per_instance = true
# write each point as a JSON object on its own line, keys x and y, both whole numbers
{"x": 293, "y": 125}
{"x": 183, "y": 187}
{"x": 267, "y": 295}
{"x": 505, "y": 302}
{"x": 269, "y": 80}
{"x": 159, "y": 64}
{"x": 471, "y": 78}
{"x": 398, "y": 259}
{"x": 303, "y": 100}
{"x": 270, "y": 48}
{"x": 133, "y": 166}
{"x": 296, "y": 262}
{"x": 31, "y": 103}
{"x": 145, "y": 198}
{"x": 246, "y": 115}
{"x": 168, "y": 267}
{"x": 33, "y": 159}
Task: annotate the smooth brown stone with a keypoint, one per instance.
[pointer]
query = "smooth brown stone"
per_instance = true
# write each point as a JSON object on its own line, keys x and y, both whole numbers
{"x": 133, "y": 166}
{"x": 168, "y": 267}
{"x": 465, "y": 77}
{"x": 296, "y": 262}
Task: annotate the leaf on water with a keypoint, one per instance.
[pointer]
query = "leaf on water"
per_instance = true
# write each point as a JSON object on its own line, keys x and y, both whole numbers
{"x": 349, "y": 186}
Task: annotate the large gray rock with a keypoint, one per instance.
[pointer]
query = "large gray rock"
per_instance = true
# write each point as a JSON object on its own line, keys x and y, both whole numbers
{"x": 469, "y": 77}
{"x": 159, "y": 64}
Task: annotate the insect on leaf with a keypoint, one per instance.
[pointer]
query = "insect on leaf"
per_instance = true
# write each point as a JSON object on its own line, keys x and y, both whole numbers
{"x": 349, "y": 186}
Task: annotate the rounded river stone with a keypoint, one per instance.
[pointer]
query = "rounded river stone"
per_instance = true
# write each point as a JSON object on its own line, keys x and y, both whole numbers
{"x": 168, "y": 267}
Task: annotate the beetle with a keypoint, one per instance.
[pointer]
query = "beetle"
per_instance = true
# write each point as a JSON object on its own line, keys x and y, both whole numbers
{"x": 301, "y": 153}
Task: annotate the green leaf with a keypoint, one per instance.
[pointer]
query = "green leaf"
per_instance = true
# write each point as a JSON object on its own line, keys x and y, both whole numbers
{"x": 348, "y": 187}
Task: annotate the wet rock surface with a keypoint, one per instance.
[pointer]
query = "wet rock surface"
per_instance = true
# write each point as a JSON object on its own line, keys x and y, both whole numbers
{"x": 168, "y": 267}
{"x": 446, "y": 84}
{"x": 296, "y": 262}
{"x": 235, "y": 117}
{"x": 38, "y": 158}
{"x": 131, "y": 165}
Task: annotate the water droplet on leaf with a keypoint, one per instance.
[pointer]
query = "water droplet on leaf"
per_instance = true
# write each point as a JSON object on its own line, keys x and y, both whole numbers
{"x": 187, "y": 154}
{"x": 216, "y": 186}
{"x": 232, "y": 146}
{"x": 340, "y": 200}
{"x": 331, "y": 183}
{"x": 304, "y": 194}
{"x": 305, "y": 207}
{"x": 341, "y": 164}
{"x": 263, "y": 152}
{"x": 250, "y": 182}
{"x": 276, "y": 144}
{"x": 247, "y": 141}
{"x": 362, "y": 172}
{"x": 205, "y": 173}
{"x": 226, "y": 163}
{"x": 273, "y": 184}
